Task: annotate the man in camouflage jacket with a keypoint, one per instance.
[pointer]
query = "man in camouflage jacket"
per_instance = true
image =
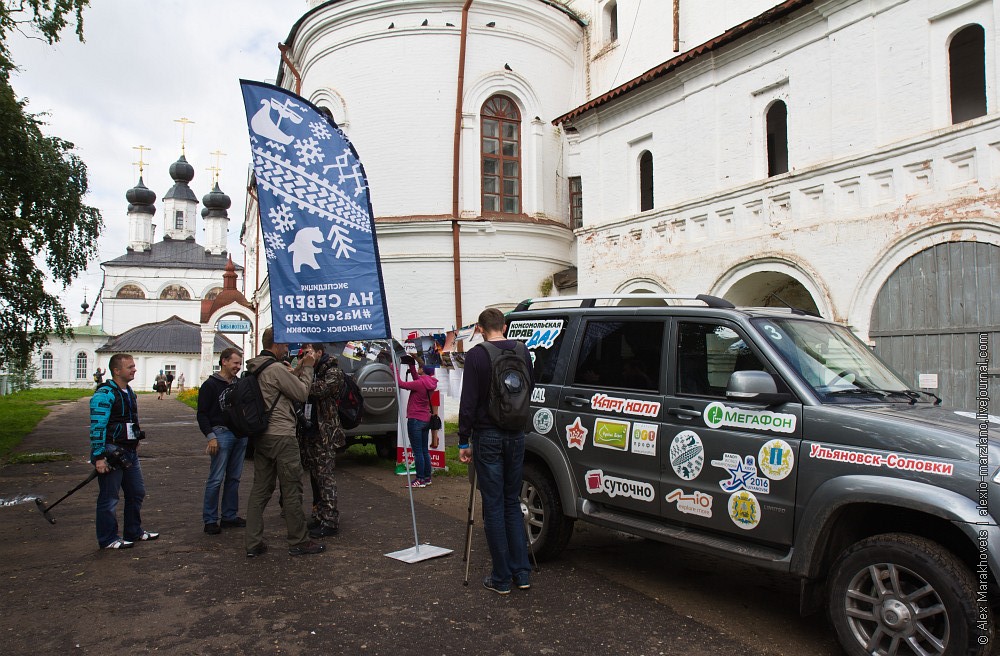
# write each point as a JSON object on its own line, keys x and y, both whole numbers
{"x": 319, "y": 442}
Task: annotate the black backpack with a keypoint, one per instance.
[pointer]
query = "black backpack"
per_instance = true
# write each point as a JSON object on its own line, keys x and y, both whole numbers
{"x": 510, "y": 387}
{"x": 351, "y": 404}
{"x": 242, "y": 404}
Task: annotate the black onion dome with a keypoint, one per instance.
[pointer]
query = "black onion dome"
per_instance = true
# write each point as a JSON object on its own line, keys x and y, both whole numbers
{"x": 85, "y": 306}
{"x": 216, "y": 203}
{"x": 181, "y": 171}
{"x": 141, "y": 198}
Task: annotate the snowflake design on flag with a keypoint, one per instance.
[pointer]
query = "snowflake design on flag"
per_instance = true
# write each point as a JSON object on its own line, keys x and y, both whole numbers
{"x": 282, "y": 218}
{"x": 274, "y": 241}
{"x": 320, "y": 130}
{"x": 269, "y": 253}
{"x": 309, "y": 151}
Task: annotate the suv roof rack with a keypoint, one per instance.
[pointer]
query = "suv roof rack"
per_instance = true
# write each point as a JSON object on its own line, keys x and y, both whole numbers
{"x": 591, "y": 300}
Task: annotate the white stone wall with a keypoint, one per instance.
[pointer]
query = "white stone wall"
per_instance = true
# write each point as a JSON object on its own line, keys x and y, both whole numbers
{"x": 877, "y": 170}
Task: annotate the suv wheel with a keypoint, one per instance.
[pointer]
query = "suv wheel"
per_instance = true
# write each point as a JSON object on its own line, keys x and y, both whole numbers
{"x": 898, "y": 594}
{"x": 548, "y": 528}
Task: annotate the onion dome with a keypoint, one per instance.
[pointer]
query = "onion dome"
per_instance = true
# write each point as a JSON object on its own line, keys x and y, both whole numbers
{"x": 182, "y": 173}
{"x": 85, "y": 306}
{"x": 141, "y": 198}
{"x": 216, "y": 203}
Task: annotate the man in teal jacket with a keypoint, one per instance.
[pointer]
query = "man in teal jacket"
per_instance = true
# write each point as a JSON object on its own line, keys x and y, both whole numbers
{"x": 114, "y": 419}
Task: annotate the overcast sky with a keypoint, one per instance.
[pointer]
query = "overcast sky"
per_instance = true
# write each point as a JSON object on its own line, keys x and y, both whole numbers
{"x": 144, "y": 64}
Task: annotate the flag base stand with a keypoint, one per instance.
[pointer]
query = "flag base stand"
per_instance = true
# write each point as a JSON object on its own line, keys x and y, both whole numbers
{"x": 418, "y": 553}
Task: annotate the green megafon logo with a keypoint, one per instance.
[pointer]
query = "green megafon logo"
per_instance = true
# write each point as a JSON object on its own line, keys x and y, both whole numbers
{"x": 714, "y": 414}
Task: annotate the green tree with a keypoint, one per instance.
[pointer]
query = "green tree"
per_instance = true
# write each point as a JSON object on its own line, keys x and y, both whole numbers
{"x": 43, "y": 220}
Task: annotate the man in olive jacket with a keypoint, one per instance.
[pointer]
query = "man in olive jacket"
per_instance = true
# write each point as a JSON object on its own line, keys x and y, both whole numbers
{"x": 276, "y": 452}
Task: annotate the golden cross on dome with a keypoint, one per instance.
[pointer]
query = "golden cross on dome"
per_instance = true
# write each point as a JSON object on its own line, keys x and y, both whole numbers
{"x": 218, "y": 154}
{"x": 184, "y": 123}
{"x": 141, "y": 150}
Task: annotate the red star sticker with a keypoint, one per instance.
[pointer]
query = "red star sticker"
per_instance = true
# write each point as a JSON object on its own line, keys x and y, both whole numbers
{"x": 576, "y": 435}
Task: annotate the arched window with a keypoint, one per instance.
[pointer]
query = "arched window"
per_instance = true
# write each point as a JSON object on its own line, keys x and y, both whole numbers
{"x": 967, "y": 70}
{"x": 82, "y": 368}
{"x": 777, "y": 139}
{"x": 645, "y": 181}
{"x": 46, "y": 366}
{"x": 175, "y": 292}
{"x": 211, "y": 294}
{"x": 130, "y": 291}
{"x": 611, "y": 20}
{"x": 501, "y": 154}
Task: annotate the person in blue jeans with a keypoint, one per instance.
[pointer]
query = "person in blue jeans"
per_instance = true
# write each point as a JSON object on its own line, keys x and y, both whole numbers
{"x": 114, "y": 419}
{"x": 418, "y": 418}
{"x": 226, "y": 450}
{"x": 498, "y": 458}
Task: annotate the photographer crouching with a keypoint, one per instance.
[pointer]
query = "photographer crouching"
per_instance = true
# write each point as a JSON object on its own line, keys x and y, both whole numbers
{"x": 114, "y": 420}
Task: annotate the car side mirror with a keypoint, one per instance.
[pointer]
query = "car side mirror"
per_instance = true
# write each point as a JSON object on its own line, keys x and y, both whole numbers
{"x": 755, "y": 387}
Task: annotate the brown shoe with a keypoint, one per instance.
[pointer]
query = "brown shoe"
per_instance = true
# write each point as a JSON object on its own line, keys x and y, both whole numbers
{"x": 307, "y": 547}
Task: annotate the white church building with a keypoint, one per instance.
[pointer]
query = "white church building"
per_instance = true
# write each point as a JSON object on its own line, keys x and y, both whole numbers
{"x": 839, "y": 156}
{"x": 161, "y": 301}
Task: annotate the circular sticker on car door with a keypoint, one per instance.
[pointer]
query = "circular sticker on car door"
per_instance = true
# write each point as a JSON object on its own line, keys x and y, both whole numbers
{"x": 687, "y": 455}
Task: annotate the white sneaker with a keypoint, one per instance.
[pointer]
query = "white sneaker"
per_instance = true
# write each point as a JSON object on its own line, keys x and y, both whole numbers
{"x": 119, "y": 544}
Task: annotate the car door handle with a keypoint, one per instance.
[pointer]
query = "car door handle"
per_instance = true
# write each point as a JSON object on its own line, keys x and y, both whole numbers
{"x": 577, "y": 401}
{"x": 685, "y": 413}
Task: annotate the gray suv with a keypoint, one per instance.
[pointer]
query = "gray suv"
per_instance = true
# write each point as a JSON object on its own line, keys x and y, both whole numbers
{"x": 378, "y": 387}
{"x": 775, "y": 438}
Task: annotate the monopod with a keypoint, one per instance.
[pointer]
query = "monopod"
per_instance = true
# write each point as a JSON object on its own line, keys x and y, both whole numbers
{"x": 45, "y": 510}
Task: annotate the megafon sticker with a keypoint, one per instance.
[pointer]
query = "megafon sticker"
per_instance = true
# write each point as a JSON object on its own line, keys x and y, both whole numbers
{"x": 576, "y": 435}
{"x": 599, "y": 402}
{"x": 744, "y": 510}
{"x": 687, "y": 455}
{"x": 597, "y": 482}
{"x": 742, "y": 474}
{"x": 695, "y": 503}
{"x": 776, "y": 459}
{"x": 535, "y": 334}
{"x": 611, "y": 434}
{"x": 543, "y": 421}
{"x": 644, "y": 438}
{"x": 717, "y": 414}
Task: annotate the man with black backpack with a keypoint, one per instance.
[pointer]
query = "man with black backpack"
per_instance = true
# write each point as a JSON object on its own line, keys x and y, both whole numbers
{"x": 276, "y": 450}
{"x": 493, "y": 413}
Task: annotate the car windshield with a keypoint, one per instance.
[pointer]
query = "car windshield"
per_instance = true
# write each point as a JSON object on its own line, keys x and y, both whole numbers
{"x": 835, "y": 363}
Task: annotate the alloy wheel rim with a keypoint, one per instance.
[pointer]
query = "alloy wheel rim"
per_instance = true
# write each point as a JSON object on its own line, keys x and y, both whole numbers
{"x": 893, "y": 611}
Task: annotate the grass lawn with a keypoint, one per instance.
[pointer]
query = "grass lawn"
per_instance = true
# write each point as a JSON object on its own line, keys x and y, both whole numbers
{"x": 22, "y": 411}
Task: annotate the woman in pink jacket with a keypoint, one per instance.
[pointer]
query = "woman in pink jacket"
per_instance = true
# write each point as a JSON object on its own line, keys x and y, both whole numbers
{"x": 418, "y": 418}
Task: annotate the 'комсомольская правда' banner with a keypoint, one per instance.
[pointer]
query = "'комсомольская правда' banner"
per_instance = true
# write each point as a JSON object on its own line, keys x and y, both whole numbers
{"x": 316, "y": 221}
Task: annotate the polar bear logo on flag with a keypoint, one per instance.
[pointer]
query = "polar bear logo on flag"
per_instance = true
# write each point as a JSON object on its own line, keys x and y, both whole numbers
{"x": 304, "y": 248}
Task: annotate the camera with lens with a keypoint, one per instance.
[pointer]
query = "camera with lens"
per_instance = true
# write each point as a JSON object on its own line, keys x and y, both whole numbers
{"x": 113, "y": 456}
{"x": 407, "y": 359}
{"x": 138, "y": 432}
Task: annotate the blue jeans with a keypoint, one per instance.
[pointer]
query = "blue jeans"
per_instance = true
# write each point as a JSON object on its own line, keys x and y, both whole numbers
{"x": 130, "y": 482}
{"x": 419, "y": 432}
{"x": 499, "y": 459}
{"x": 224, "y": 474}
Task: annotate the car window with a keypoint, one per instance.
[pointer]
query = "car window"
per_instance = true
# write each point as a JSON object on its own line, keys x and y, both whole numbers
{"x": 707, "y": 355}
{"x": 621, "y": 354}
{"x": 544, "y": 339}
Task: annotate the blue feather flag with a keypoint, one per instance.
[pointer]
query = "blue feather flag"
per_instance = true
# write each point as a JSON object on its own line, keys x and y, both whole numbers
{"x": 316, "y": 221}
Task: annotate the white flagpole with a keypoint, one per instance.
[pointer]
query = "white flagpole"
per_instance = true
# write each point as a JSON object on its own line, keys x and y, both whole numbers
{"x": 415, "y": 553}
